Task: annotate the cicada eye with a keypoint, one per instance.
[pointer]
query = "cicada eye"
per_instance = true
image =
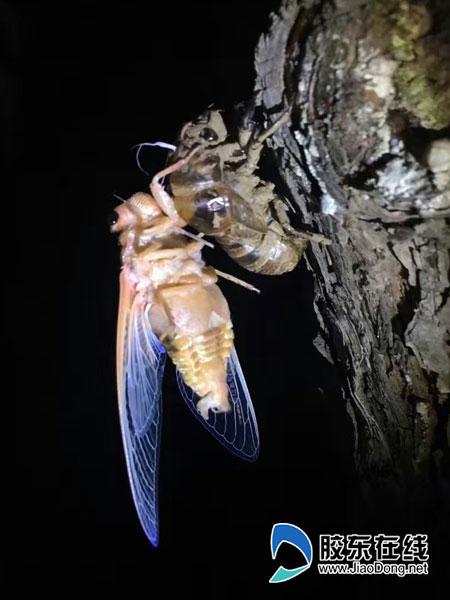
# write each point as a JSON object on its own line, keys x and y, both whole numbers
{"x": 208, "y": 134}
{"x": 112, "y": 218}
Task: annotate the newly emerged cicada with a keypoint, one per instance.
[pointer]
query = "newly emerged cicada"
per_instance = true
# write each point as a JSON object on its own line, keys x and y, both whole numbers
{"x": 215, "y": 189}
{"x": 170, "y": 304}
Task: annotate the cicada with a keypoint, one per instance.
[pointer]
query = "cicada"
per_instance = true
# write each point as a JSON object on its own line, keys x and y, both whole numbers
{"x": 216, "y": 189}
{"x": 171, "y": 305}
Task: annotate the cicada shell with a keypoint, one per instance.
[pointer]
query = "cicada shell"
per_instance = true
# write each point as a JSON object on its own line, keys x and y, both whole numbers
{"x": 170, "y": 305}
{"x": 216, "y": 189}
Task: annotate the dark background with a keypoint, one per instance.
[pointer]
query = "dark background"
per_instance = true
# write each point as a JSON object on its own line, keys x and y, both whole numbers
{"x": 83, "y": 83}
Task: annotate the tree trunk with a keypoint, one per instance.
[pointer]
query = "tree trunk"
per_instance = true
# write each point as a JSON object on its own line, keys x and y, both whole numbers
{"x": 367, "y": 161}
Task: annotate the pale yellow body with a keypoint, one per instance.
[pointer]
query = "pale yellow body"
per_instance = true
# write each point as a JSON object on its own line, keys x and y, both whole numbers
{"x": 186, "y": 309}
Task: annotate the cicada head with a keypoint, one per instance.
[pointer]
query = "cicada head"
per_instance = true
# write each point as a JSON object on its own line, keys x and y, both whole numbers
{"x": 206, "y": 130}
{"x": 139, "y": 210}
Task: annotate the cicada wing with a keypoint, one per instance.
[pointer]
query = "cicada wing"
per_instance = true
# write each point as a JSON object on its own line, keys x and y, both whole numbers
{"x": 237, "y": 429}
{"x": 140, "y": 368}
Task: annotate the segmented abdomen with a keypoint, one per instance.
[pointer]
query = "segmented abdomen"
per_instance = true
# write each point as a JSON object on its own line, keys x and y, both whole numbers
{"x": 202, "y": 359}
{"x": 243, "y": 233}
{"x": 268, "y": 253}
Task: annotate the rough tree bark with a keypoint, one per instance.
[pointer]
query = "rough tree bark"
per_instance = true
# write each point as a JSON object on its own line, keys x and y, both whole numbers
{"x": 367, "y": 160}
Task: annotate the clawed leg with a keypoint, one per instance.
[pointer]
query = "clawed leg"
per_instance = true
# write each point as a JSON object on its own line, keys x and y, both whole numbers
{"x": 302, "y": 235}
{"x": 161, "y": 226}
{"x": 163, "y": 199}
{"x": 166, "y": 203}
{"x": 275, "y": 127}
{"x": 255, "y": 148}
{"x": 308, "y": 235}
{"x": 281, "y": 212}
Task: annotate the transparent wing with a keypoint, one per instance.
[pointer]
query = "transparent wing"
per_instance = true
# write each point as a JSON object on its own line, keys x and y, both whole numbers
{"x": 237, "y": 430}
{"x": 140, "y": 368}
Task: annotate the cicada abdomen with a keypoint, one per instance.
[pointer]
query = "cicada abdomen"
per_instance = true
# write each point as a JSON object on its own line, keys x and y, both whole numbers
{"x": 268, "y": 253}
{"x": 255, "y": 245}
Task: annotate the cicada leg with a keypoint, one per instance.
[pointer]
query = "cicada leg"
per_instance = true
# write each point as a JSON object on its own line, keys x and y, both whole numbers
{"x": 295, "y": 233}
{"x": 163, "y": 199}
{"x": 254, "y": 149}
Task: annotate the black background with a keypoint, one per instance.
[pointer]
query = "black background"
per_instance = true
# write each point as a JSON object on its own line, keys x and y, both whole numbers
{"x": 84, "y": 82}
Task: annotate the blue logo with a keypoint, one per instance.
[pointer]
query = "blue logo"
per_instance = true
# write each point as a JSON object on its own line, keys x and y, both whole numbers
{"x": 293, "y": 535}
